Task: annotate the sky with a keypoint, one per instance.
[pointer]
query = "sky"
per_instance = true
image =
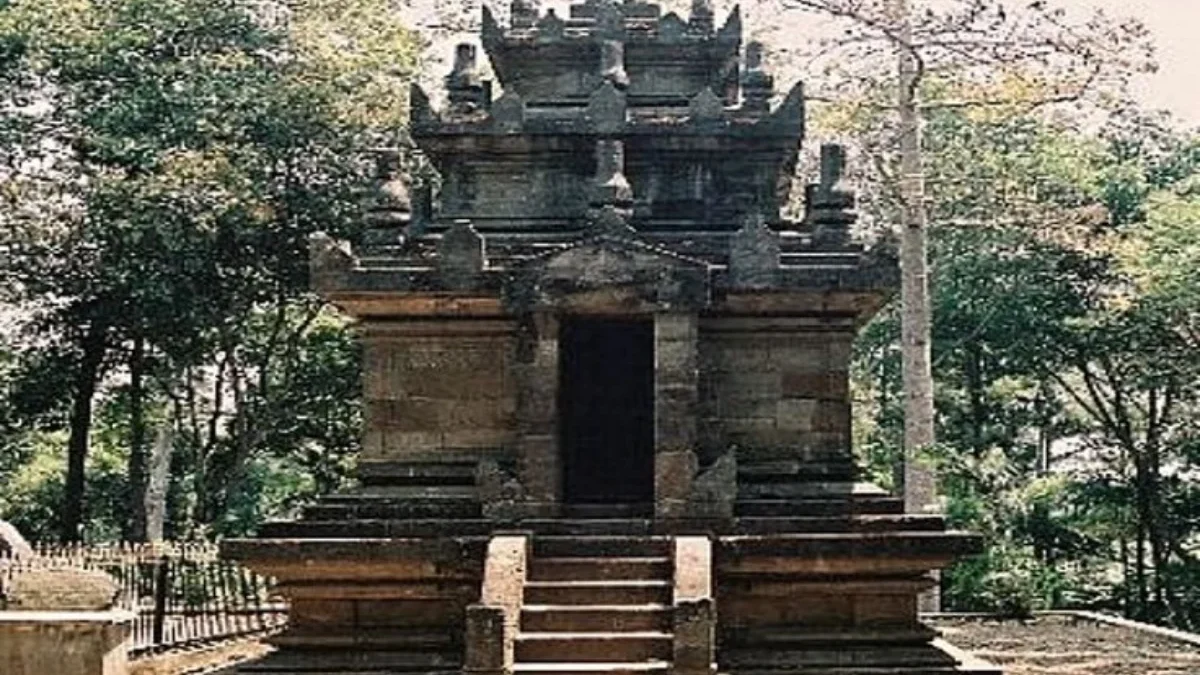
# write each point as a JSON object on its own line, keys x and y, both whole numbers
{"x": 1175, "y": 26}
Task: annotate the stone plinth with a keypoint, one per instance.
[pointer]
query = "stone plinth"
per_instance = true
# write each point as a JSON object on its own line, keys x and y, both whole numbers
{"x": 367, "y": 604}
{"x": 841, "y": 602}
{"x": 64, "y": 643}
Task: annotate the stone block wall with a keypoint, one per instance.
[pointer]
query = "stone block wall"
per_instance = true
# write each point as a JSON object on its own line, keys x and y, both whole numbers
{"x": 774, "y": 388}
{"x": 434, "y": 389}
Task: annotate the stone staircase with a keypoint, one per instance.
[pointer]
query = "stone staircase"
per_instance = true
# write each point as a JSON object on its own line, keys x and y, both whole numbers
{"x": 596, "y": 604}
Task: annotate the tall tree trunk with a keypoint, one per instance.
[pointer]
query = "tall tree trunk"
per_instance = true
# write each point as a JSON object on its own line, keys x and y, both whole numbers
{"x": 158, "y": 481}
{"x": 94, "y": 346}
{"x": 973, "y": 368}
{"x": 920, "y": 485}
{"x": 135, "y": 527}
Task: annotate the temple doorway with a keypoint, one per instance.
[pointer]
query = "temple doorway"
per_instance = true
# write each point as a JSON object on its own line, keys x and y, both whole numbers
{"x": 606, "y": 410}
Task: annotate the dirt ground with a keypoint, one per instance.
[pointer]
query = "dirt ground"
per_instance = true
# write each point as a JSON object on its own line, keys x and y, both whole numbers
{"x": 1067, "y": 645}
{"x": 210, "y": 659}
{"x": 1047, "y": 645}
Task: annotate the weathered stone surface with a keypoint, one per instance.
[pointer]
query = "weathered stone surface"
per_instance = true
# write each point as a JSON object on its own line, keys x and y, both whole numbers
{"x": 61, "y": 590}
{"x": 12, "y": 543}
{"x": 461, "y": 256}
{"x": 65, "y": 643}
{"x": 754, "y": 255}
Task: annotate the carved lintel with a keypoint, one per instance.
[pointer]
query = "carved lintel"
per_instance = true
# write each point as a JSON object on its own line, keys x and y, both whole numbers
{"x": 461, "y": 256}
{"x": 754, "y": 255}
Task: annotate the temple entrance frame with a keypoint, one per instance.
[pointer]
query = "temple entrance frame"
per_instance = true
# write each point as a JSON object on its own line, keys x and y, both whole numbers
{"x": 540, "y": 449}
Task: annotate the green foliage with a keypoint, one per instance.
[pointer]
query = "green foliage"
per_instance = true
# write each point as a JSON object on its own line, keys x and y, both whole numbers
{"x": 186, "y": 150}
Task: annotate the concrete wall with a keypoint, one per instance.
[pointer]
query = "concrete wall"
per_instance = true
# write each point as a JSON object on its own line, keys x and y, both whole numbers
{"x": 775, "y": 388}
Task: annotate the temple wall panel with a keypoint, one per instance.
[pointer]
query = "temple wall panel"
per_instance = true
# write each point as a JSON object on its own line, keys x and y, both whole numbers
{"x": 774, "y": 394}
{"x": 438, "y": 392}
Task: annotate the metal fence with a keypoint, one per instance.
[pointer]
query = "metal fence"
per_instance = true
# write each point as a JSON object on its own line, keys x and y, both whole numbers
{"x": 181, "y": 593}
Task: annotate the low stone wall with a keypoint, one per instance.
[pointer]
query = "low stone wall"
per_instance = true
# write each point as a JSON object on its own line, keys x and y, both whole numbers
{"x": 64, "y": 643}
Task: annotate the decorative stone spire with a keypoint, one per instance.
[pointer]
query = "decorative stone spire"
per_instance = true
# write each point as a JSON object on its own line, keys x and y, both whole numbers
{"x": 610, "y": 185}
{"x": 550, "y": 28}
{"x": 610, "y": 20}
{"x": 754, "y": 254}
{"x": 461, "y": 256}
{"x": 828, "y": 205}
{"x": 390, "y": 206}
{"x": 701, "y": 20}
{"x": 612, "y": 63}
{"x": 463, "y": 86}
{"x": 524, "y": 14}
{"x": 757, "y": 85}
{"x": 612, "y": 197}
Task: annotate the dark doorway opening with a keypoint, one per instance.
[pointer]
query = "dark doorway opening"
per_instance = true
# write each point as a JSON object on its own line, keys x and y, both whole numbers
{"x": 606, "y": 410}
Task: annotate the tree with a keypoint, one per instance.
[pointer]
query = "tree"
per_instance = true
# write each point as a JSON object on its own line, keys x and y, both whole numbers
{"x": 973, "y": 54}
{"x": 181, "y": 211}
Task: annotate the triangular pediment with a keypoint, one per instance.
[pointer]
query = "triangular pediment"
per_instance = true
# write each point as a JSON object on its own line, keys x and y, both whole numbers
{"x": 617, "y": 268}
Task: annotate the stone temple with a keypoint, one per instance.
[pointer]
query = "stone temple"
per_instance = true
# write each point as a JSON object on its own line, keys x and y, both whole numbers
{"x": 607, "y": 415}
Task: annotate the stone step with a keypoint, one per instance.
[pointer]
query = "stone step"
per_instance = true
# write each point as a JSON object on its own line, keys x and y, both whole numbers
{"x": 353, "y": 661}
{"x": 592, "y": 647}
{"x": 820, "y": 506}
{"x": 809, "y": 489}
{"x": 836, "y": 656}
{"x": 791, "y": 470}
{"x": 595, "y": 546}
{"x": 600, "y": 568}
{"x": 846, "y": 523}
{"x": 616, "y": 592}
{"x": 642, "y": 510}
{"x": 417, "y": 473}
{"x": 656, "y": 667}
{"x": 365, "y": 528}
{"x": 420, "y": 491}
{"x": 349, "y": 507}
{"x": 782, "y": 637}
{"x": 589, "y": 526}
{"x": 595, "y": 618}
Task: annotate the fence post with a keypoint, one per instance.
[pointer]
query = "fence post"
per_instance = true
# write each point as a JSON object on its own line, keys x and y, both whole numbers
{"x": 161, "y": 581}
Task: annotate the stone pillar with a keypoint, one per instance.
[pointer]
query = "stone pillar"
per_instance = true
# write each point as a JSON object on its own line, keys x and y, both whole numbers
{"x": 694, "y": 610}
{"x": 536, "y": 373}
{"x": 676, "y": 396}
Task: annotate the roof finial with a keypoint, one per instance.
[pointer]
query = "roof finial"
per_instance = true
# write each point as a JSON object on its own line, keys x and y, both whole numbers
{"x": 463, "y": 86}
{"x": 828, "y": 205}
